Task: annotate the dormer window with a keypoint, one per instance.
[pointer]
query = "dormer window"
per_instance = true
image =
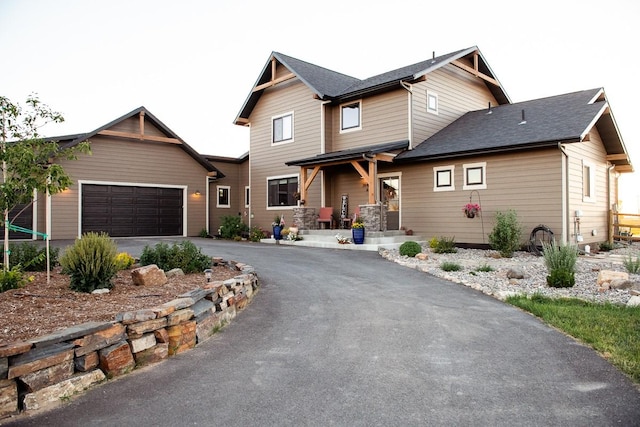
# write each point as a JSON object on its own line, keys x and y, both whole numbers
{"x": 350, "y": 117}
{"x": 432, "y": 102}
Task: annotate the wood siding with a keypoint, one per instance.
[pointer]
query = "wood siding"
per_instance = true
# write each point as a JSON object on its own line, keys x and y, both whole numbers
{"x": 594, "y": 213}
{"x": 236, "y": 177}
{"x": 530, "y": 184}
{"x": 268, "y": 160}
{"x": 119, "y": 161}
{"x": 458, "y": 93}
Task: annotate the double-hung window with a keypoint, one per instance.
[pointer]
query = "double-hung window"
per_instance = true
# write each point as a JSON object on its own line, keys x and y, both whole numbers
{"x": 350, "y": 117}
{"x": 281, "y": 191}
{"x": 282, "y": 128}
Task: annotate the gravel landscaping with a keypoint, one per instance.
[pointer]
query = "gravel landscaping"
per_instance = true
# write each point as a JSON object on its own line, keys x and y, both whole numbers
{"x": 497, "y": 284}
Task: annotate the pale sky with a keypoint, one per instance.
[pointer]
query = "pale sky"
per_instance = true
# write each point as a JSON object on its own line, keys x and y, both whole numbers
{"x": 192, "y": 63}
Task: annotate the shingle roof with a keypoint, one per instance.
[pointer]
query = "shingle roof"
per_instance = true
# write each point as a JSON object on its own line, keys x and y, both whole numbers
{"x": 547, "y": 121}
{"x": 350, "y": 154}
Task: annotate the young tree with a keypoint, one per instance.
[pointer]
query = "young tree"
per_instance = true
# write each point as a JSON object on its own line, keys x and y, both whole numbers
{"x": 28, "y": 160}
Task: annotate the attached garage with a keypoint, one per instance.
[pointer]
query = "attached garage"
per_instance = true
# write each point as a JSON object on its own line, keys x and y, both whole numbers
{"x": 130, "y": 211}
{"x": 24, "y": 220}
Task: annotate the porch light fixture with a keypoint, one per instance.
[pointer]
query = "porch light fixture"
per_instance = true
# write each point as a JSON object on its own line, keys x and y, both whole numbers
{"x": 207, "y": 274}
{"x": 197, "y": 193}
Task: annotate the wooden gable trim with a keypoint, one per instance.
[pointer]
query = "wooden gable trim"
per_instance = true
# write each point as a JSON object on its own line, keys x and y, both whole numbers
{"x": 140, "y": 136}
{"x": 474, "y": 70}
{"x": 273, "y": 80}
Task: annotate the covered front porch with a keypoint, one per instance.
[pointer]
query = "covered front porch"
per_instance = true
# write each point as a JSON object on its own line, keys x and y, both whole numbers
{"x": 374, "y": 212}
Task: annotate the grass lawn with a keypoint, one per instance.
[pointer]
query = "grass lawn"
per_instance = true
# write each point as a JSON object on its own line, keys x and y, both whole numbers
{"x": 612, "y": 330}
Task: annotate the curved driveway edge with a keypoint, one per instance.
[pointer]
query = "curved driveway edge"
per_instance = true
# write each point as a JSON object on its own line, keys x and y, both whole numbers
{"x": 337, "y": 338}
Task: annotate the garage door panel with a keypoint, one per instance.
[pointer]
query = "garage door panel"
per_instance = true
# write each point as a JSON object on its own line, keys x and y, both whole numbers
{"x": 132, "y": 211}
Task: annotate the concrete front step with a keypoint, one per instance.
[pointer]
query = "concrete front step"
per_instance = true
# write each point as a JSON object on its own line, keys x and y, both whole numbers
{"x": 327, "y": 239}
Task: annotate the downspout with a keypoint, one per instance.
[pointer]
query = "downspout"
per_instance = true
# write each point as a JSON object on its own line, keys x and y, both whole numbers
{"x": 609, "y": 205}
{"x": 565, "y": 193}
{"x": 409, "y": 88}
{"x": 323, "y": 146}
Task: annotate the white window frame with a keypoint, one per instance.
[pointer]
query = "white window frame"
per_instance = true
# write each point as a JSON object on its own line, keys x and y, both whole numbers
{"x": 474, "y": 185}
{"x": 282, "y": 207}
{"x": 247, "y": 196}
{"x": 354, "y": 128}
{"x": 452, "y": 172}
{"x": 591, "y": 197}
{"x": 228, "y": 190}
{"x": 432, "y": 95}
{"x": 273, "y": 135}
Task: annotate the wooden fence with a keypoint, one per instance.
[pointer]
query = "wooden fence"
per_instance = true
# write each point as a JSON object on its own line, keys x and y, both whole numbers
{"x": 624, "y": 226}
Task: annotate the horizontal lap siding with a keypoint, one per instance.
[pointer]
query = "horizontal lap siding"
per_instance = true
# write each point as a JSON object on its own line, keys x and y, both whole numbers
{"x": 529, "y": 183}
{"x": 458, "y": 92}
{"x": 384, "y": 119}
{"x": 268, "y": 160}
{"x": 595, "y": 214}
{"x": 116, "y": 161}
{"x": 236, "y": 177}
{"x": 132, "y": 125}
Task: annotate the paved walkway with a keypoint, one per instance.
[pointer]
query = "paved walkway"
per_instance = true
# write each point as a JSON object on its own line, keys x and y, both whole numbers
{"x": 349, "y": 339}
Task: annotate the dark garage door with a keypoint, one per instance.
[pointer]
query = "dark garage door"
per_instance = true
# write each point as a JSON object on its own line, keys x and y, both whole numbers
{"x": 123, "y": 211}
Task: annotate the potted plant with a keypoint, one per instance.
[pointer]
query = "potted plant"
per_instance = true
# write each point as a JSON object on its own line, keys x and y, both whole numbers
{"x": 278, "y": 225}
{"x": 357, "y": 231}
{"x": 471, "y": 210}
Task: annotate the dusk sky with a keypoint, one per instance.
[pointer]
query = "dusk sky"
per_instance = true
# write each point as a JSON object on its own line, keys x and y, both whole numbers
{"x": 193, "y": 63}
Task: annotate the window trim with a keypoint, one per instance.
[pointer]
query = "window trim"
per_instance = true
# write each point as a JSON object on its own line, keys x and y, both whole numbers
{"x": 591, "y": 198}
{"x": 247, "y": 196}
{"x": 354, "y": 128}
{"x": 465, "y": 176}
{"x": 273, "y": 135}
{"x": 452, "y": 185}
{"x": 271, "y": 178}
{"x": 431, "y": 94}
{"x": 223, "y": 187}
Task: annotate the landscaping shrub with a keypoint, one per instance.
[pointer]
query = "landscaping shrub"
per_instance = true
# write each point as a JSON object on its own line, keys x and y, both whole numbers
{"x": 90, "y": 262}
{"x": 632, "y": 266}
{"x": 124, "y": 261}
{"x": 433, "y": 243}
{"x": 232, "y": 226}
{"x": 11, "y": 279}
{"x": 257, "y": 234}
{"x": 450, "y": 266}
{"x": 446, "y": 246}
{"x": 410, "y": 248}
{"x": 184, "y": 255}
{"x": 485, "y": 268}
{"x": 606, "y": 246}
{"x": 505, "y": 236}
{"x": 32, "y": 257}
{"x": 561, "y": 262}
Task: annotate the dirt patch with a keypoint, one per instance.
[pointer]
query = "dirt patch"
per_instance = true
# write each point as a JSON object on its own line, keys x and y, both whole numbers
{"x": 39, "y": 308}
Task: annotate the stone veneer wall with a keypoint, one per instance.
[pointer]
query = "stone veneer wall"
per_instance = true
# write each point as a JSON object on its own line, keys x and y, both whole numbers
{"x": 41, "y": 372}
{"x": 372, "y": 217}
{"x": 305, "y": 218}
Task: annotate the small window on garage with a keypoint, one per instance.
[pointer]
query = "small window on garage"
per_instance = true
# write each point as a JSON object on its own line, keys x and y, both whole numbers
{"x": 223, "y": 196}
{"x": 443, "y": 178}
{"x": 588, "y": 182}
{"x": 475, "y": 176}
{"x": 432, "y": 102}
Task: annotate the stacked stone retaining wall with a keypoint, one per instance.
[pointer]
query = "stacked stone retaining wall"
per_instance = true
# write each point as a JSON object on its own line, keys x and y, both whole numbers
{"x": 39, "y": 373}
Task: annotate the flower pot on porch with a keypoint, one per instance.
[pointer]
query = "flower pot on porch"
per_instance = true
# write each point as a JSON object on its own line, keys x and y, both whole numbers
{"x": 277, "y": 232}
{"x": 358, "y": 235}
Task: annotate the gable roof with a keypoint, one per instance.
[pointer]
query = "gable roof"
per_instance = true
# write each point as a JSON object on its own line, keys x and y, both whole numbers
{"x": 350, "y": 154}
{"x": 541, "y": 122}
{"x": 171, "y": 137}
{"x": 333, "y": 86}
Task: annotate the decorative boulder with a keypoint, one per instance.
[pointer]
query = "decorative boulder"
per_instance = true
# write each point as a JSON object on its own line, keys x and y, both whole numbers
{"x": 149, "y": 275}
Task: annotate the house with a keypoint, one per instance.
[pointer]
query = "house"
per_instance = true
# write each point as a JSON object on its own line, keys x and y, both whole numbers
{"x": 141, "y": 179}
{"x": 412, "y": 146}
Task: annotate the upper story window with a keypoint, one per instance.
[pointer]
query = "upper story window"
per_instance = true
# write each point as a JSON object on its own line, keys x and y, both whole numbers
{"x": 443, "y": 178}
{"x": 223, "y": 196}
{"x": 432, "y": 102}
{"x": 350, "y": 117}
{"x": 283, "y": 128}
{"x": 475, "y": 176}
{"x": 281, "y": 191}
{"x": 588, "y": 182}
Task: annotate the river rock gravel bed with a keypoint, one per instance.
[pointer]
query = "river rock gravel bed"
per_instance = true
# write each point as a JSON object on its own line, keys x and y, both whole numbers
{"x": 497, "y": 284}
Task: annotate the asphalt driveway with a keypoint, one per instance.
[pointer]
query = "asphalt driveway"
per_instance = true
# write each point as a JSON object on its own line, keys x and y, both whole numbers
{"x": 346, "y": 338}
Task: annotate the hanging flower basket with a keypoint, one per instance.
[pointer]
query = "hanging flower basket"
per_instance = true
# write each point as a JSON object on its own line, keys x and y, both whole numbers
{"x": 471, "y": 210}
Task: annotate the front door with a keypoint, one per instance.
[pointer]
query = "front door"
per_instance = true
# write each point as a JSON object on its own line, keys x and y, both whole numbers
{"x": 389, "y": 186}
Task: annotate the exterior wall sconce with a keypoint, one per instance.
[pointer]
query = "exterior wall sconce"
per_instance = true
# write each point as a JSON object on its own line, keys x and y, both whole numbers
{"x": 207, "y": 274}
{"x": 196, "y": 193}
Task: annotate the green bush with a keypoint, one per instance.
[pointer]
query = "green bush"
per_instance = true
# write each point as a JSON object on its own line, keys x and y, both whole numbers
{"x": 485, "y": 268}
{"x": 11, "y": 279}
{"x": 450, "y": 266}
{"x": 257, "y": 234}
{"x": 124, "y": 261}
{"x": 32, "y": 257}
{"x": 446, "y": 246}
{"x": 606, "y": 246}
{"x": 184, "y": 255}
{"x": 505, "y": 236}
{"x": 90, "y": 262}
{"x": 232, "y": 226}
{"x": 410, "y": 248}
{"x": 561, "y": 263}
{"x": 433, "y": 243}
{"x": 632, "y": 266}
